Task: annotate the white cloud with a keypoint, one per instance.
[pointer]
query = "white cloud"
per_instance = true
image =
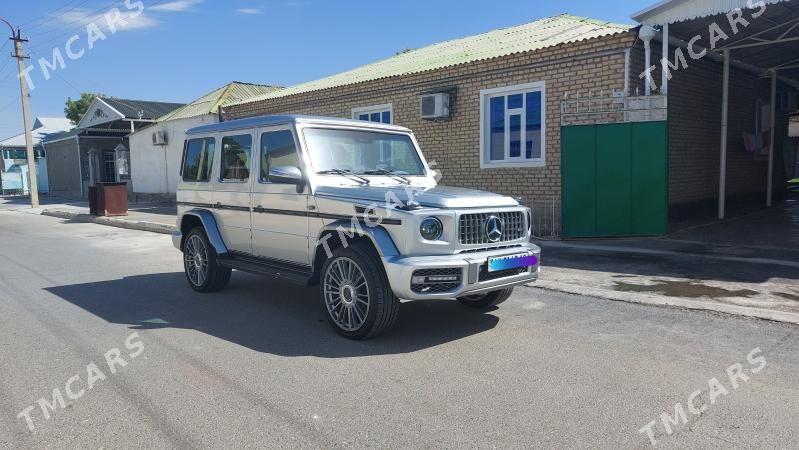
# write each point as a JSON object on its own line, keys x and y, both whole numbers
{"x": 175, "y": 6}
{"x": 250, "y": 11}
{"x": 128, "y": 20}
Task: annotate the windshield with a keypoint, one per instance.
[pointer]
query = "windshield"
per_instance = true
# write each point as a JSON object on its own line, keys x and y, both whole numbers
{"x": 362, "y": 152}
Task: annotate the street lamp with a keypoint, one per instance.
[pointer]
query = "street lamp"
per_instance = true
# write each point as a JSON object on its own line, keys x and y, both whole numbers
{"x": 33, "y": 185}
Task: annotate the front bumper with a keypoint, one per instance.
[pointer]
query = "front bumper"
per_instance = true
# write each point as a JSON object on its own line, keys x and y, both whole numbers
{"x": 400, "y": 271}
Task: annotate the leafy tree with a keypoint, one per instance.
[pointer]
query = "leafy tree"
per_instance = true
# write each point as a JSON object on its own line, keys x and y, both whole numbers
{"x": 75, "y": 109}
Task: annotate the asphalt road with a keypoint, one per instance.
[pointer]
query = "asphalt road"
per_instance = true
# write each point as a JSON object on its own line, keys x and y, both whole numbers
{"x": 257, "y": 365}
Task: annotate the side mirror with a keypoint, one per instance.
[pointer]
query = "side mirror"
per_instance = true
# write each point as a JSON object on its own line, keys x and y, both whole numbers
{"x": 287, "y": 175}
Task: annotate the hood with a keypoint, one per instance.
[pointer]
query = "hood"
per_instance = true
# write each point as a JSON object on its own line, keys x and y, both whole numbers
{"x": 434, "y": 197}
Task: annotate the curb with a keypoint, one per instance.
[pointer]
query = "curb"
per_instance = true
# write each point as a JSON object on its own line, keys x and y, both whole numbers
{"x": 152, "y": 227}
{"x": 668, "y": 302}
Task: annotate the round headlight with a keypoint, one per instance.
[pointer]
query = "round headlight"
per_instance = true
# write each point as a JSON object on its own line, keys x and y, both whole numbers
{"x": 431, "y": 229}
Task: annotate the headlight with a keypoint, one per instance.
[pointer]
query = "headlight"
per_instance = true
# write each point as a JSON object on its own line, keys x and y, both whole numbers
{"x": 431, "y": 229}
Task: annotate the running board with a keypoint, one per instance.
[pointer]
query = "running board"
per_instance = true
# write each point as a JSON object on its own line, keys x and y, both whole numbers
{"x": 270, "y": 268}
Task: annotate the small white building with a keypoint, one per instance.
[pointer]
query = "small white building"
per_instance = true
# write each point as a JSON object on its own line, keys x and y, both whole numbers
{"x": 156, "y": 150}
{"x": 13, "y": 155}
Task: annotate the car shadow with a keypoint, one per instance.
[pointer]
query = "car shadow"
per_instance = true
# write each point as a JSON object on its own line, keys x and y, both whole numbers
{"x": 266, "y": 316}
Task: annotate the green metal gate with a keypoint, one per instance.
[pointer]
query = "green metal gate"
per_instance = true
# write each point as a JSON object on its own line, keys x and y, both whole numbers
{"x": 614, "y": 179}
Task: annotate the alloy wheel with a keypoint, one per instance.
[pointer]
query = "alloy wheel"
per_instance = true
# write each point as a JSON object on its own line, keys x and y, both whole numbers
{"x": 346, "y": 294}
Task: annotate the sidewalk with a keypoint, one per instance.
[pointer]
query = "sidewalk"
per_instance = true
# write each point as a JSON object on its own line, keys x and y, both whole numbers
{"x": 152, "y": 217}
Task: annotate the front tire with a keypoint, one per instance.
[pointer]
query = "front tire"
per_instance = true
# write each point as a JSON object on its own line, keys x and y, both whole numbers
{"x": 200, "y": 264}
{"x": 356, "y": 293}
{"x": 482, "y": 301}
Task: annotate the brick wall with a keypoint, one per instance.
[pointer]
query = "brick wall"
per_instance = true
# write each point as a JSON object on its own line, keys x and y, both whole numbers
{"x": 695, "y": 134}
{"x": 454, "y": 143}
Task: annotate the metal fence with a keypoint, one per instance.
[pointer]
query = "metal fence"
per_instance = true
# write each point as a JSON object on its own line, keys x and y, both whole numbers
{"x": 593, "y": 108}
{"x": 12, "y": 183}
{"x": 546, "y": 217}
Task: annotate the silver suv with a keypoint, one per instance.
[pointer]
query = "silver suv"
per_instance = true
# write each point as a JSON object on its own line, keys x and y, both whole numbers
{"x": 349, "y": 206}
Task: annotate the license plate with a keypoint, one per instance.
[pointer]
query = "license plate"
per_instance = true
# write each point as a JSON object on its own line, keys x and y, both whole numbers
{"x": 500, "y": 263}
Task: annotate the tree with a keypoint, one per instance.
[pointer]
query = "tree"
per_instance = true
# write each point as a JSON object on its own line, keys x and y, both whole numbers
{"x": 75, "y": 109}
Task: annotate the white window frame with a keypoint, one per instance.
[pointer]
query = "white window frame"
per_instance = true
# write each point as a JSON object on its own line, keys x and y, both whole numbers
{"x": 485, "y": 118}
{"x": 388, "y": 107}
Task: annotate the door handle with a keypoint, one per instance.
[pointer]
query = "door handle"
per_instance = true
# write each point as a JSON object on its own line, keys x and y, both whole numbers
{"x": 218, "y": 205}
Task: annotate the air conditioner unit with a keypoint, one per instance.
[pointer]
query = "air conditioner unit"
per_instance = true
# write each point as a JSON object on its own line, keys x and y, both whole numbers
{"x": 160, "y": 138}
{"x": 435, "y": 106}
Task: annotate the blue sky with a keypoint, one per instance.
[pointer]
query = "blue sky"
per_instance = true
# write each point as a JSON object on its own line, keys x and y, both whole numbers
{"x": 177, "y": 50}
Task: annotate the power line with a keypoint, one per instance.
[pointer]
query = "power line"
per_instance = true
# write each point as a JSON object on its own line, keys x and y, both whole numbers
{"x": 82, "y": 23}
{"x": 43, "y": 19}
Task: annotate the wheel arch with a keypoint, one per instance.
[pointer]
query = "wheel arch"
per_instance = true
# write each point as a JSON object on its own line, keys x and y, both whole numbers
{"x": 342, "y": 233}
{"x": 204, "y": 218}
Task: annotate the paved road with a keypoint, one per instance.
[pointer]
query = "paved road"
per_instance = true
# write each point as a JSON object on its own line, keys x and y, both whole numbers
{"x": 257, "y": 365}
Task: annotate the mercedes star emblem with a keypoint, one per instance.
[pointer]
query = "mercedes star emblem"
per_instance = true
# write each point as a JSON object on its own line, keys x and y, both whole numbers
{"x": 493, "y": 229}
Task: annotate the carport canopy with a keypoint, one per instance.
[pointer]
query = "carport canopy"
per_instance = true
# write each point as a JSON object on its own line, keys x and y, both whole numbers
{"x": 761, "y": 36}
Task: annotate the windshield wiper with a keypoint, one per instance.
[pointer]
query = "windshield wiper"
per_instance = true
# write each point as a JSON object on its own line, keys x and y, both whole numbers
{"x": 344, "y": 173}
{"x": 389, "y": 173}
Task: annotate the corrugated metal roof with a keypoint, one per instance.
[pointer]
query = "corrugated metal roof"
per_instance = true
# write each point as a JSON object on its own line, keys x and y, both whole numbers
{"x": 43, "y": 127}
{"x": 235, "y": 92}
{"x": 673, "y": 11}
{"x": 523, "y": 38}
{"x": 132, "y": 109}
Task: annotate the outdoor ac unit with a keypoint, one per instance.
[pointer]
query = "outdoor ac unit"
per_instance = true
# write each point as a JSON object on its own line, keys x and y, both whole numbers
{"x": 435, "y": 106}
{"x": 160, "y": 138}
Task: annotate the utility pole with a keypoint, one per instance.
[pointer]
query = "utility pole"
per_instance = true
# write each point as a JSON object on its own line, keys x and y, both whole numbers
{"x": 33, "y": 185}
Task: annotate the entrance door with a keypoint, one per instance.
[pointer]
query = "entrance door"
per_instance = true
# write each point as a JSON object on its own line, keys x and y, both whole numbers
{"x": 614, "y": 179}
{"x": 280, "y": 214}
{"x": 109, "y": 170}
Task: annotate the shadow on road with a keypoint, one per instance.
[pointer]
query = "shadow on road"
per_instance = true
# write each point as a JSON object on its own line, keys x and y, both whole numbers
{"x": 266, "y": 316}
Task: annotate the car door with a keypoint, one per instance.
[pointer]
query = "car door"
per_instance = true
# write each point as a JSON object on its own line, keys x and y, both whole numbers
{"x": 233, "y": 190}
{"x": 280, "y": 213}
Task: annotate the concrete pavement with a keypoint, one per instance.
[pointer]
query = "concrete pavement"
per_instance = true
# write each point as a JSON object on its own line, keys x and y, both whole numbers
{"x": 256, "y": 365}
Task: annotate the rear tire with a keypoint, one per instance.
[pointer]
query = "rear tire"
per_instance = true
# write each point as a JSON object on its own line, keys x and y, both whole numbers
{"x": 482, "y": 301}
{"x": 200, "y": 264}
{"x": 356, "y": 293}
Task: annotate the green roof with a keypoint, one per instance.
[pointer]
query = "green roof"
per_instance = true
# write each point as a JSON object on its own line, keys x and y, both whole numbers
{"x": 235, "y": 92}
{"x": 507, "y": 41}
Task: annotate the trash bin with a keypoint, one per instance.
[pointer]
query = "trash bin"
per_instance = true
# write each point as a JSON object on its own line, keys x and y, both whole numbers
{"x": 111, "y": 199}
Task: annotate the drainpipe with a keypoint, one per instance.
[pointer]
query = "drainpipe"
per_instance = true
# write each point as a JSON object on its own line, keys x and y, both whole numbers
{"x": 647, "y": 33}
{"x": 664, "y": 83}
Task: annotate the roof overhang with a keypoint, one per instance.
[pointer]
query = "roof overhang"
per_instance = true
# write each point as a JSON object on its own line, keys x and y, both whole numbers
{"x": 672, "y": 11}
{"x": 761, "y": 34}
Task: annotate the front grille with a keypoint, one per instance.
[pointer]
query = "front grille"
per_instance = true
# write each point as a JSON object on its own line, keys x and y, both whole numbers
{"x": 434, "y": 288}
{"x": 485, "y": 275}
{"x": 471, "y": 227}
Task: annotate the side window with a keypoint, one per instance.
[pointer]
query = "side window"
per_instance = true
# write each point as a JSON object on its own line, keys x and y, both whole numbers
{"x": 278, "y": 149}
{"x": 197, "y": 160}
{"x": 236, "y": 157}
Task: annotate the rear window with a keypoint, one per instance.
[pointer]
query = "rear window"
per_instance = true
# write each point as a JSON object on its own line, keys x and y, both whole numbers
{"x": 198, "y": 160}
